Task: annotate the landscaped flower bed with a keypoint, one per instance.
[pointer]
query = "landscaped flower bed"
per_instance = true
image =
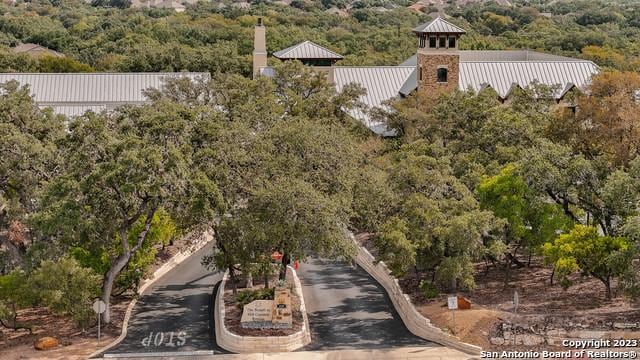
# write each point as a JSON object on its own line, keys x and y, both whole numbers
{"x": 233, "y": 307}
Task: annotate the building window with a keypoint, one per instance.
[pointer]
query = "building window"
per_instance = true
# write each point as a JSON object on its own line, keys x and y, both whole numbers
{"x": 443, "y": 42}
{"x": 423, "y": 40}
{"x": 432, "y": 42}
{"x": 420, "y": 73}
{"x": 452, "y": 42}
{"x": 442, "y": 75}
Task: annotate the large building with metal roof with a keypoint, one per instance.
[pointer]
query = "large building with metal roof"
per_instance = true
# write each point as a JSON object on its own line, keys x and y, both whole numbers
{"x": 439, "y": 65}
{"x": 74, "y": 94}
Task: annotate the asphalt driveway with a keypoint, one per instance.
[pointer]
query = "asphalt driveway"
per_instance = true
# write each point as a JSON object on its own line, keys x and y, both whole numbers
{"x": 348, "y": 309}
{"x": 174, "y": 314}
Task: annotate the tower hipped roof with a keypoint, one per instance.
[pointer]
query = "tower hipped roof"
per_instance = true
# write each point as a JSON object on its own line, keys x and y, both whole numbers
{"x": 438, "y": 26}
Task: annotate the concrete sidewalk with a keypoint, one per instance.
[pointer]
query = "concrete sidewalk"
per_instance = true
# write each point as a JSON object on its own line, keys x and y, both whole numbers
{"x": 403, "y": 353}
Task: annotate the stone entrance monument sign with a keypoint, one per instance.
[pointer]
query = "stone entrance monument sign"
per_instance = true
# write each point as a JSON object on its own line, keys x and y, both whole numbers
{"x": 257, "y": 315}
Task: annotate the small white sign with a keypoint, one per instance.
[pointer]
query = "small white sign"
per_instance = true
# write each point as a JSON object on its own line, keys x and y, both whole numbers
{"x": 452, "y": 302}
{"x": 99, "y": 306}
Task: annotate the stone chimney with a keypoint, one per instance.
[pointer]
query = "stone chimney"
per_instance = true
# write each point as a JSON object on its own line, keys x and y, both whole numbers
{"x": 259, "y": 48}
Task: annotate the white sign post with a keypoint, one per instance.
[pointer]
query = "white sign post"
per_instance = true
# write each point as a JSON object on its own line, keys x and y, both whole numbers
{"x": 99, "y": 307}
{"x": 452, "y": 303}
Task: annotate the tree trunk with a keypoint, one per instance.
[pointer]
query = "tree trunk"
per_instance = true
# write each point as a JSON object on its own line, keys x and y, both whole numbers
{"x": 514, "y": 260}
{"x": 486, "y": 266}
{"x": 232, "y": 275}
{"x": 15, "y": 316}
{"x": 283, "y": 267}
{"x": 507, "y": 272}
{"x": 3, "y": 213}
{"x": 107, "y": 283}
{"x": 553, "y": 273}
{"x": 123, "y": 259}
{"x": 266, "y": 280}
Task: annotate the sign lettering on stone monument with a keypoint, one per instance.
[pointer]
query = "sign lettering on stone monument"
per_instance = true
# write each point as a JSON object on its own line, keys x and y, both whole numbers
{"x": 257, "y": 315}
{"x": 282, "y": 313}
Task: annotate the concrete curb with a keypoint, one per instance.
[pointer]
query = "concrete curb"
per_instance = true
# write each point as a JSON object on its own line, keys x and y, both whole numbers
{"x": 160, "y": 354}
{"x": 396, "y": 353}
{"x": 176, "y": 260}
{"x": 259, "y": 344}
{"x": 412, "y": 319}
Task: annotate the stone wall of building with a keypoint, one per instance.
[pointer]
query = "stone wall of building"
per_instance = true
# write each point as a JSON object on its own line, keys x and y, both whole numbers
{"x": 429, "y": 63}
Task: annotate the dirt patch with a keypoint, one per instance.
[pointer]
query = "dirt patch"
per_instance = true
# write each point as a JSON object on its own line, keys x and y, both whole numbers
{"x": 78, "y": 350}
{"x": 471, "y": 326}
{"x": 233, "y": 313}
{"x": 542, "y": 305}
{"x": 75, "y": 343}
{"x": 584, "y": 302}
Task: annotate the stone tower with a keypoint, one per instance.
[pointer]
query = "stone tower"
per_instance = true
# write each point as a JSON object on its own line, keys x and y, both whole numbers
{"x": 259, "y": 48}
{"x": 438, "y": 57}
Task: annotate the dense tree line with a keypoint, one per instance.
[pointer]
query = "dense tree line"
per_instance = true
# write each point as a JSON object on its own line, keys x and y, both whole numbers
{"x": 209, "y": 38}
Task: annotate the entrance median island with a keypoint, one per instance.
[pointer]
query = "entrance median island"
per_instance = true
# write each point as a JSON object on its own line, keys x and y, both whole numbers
{"x": 276, "y": 314}
{"x": 261, "y": 319}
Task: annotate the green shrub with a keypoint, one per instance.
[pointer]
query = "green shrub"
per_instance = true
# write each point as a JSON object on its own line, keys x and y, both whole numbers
{"x": 428, "y": 290}
{"x": 15, "y": 294}
{"x": 247, "y": 296}
{"x": 66, "y": 288}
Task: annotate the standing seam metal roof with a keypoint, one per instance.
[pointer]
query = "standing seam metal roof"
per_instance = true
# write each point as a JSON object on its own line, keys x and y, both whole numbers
{"x": 74, "y": 93}
{"x": 385, "y": 83}
{"x": 307, "y": 50}
{"x": 381, "y": 82}
{"x": 503, "y": 75}
{"x": 439, "y": 26}
{"x": 500, "y": 55}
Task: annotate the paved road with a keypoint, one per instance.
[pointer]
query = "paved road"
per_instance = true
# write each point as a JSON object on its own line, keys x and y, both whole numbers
{"x": 174, "y": 313}
{"x": 347, "y": 308}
